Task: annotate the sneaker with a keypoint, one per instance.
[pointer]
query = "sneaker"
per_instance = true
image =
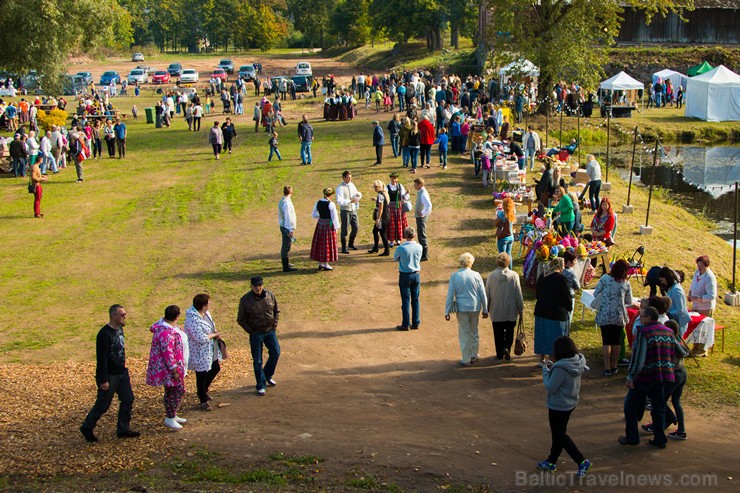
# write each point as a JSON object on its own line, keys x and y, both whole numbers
{"x": 583, "y": 467}
{"x": 607, "y": 373}
{"x": 462, "y": 363}
{"x": 271, "y": 382}
{"x": 475, "y": 358}
{"x": 181, "y": 420}
{"x": 615, "y": 370}
{"x": 623, "y": 362}
{"x": 547, "y": 466}
{"x": 648, "y": 427}
{"x": 206, "y": 407}
{"x": 88, "y": 434}
{"x": 677, "y": 435}
{"x": 261, "y": 392}
{"x": 171, "y": 423}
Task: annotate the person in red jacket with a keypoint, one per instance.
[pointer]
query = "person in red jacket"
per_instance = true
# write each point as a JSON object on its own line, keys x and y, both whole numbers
{"x": 426, "y": 129}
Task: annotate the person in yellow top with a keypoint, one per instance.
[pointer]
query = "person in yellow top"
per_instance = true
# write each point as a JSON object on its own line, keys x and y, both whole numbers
{"x": 378, "y": 98}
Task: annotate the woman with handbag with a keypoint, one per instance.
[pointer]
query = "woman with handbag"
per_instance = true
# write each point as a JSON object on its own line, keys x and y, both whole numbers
{"x": 398, "y": 197}
{"x": 612, "y": 295}
{"x": 551, "y": 310}
{"x": 466, "y": 296}
{"x": 505, "y": 304}
{"x": 205, "y": 353}
{"x": 504, "y": 222}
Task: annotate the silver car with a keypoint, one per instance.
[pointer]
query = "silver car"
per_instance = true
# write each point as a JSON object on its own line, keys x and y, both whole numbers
{"x": 138, "y": 75}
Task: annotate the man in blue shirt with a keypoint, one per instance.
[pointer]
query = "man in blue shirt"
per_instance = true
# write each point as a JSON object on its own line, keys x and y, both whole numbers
{"x": 408, "y": 256}
{"x": 119, "y": 129}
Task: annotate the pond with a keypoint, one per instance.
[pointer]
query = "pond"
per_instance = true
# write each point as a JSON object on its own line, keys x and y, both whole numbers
{"x": 701, "y": 179}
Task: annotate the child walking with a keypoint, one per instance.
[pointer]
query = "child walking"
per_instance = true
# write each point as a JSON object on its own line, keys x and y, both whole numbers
{"x": 562, "y": 381}
{"x": 485, "y": 164}
{"x": 274, "y": 147}
{"x": 442, "y": 139}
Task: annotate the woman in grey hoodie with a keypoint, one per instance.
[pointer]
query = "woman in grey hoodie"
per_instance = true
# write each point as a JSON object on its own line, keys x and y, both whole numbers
{"x": 563, "y": 383}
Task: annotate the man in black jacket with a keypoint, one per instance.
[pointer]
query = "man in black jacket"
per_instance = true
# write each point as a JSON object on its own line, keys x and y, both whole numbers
{"x": 258, "y": 316}
{"x": 112, "y": 377}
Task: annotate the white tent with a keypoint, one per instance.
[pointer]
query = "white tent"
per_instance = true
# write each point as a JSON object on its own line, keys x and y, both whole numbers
{"x": 622, "y": 82}
{"x": 523, "y": 67}
{"x": 714, "y": 96}
{"x": 677, "y": 78}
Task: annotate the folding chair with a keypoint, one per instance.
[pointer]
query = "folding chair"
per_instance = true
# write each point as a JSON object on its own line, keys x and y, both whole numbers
{"x": 637, "y": 263}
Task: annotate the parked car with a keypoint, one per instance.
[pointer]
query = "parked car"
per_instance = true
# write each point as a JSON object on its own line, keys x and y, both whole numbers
{"x": 175, "y": 69}
{"x": 189, "y": 76}
{"x": 108, "y": 76}
{"x": 146, "y": 68}
{"x": 137, "y": 57}
{"x": 227, "y": 65}
{"x": 86, "y": 76}
{"x": 303, "y": 68}
{"x": 32, "y": 82}
{"x": 72, "y": 85}
{"x": 138, "y": 75}
{"x": 247, "y": 72}
{"x": 219, "y": 73}
{"x": 302, "y": 82}
{"x": 161, "y": 77}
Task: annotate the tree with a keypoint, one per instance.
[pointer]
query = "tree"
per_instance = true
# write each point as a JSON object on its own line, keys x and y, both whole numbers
{"x": 406, "y": 19}
{"x": 566, "y": 39}
{"x": 350, "y": 22}
{"x": 41, "y": 34}
{"x": 312, "y": 19}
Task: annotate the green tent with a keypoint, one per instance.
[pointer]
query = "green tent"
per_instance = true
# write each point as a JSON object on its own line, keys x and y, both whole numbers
{"x": 699, "y": 69}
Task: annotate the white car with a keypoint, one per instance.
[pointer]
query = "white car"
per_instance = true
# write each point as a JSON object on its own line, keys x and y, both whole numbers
{"x": 137, "y": 57}
{"x": 303, "y": 68}
{"x": 138, "y": 75}
{"x": 189, "y": 76}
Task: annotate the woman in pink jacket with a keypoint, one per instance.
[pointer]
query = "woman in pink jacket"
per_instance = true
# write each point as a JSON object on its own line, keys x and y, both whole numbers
{"x": 167, "y": 364}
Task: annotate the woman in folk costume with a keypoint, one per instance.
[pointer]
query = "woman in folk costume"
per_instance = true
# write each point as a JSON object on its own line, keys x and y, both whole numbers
{"x": 397, "y": 195}
{"x": 324, "y": 244}
{"x": 342, "y": 106}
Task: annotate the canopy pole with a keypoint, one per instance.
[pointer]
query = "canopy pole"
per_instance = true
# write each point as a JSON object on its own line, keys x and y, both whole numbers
{"x": 608, "y": 133}
{"x": 628, "y": 208}
{"x": 647, "y": 230}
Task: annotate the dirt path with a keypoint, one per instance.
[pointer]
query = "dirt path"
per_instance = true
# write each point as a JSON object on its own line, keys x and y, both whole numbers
{"x": 365, "y": 397}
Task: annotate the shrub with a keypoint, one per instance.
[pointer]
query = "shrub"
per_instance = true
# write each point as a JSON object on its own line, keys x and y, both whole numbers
{"x": 54, "y": 117}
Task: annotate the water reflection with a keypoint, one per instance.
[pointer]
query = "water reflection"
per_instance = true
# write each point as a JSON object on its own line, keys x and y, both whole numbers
{"x": 701, "y": 179}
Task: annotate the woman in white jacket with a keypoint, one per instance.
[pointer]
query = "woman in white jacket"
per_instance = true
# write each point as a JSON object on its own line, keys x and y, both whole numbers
{"x": 466, "y": 296}
{"x": 204, "y": 351}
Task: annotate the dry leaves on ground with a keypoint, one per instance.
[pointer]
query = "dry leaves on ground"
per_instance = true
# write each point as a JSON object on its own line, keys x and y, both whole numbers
{"x": 44, "y": 406}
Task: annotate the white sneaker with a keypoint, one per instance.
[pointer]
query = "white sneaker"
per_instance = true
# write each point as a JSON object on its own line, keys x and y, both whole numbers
{"x": 171, "y": 423}
{"x": 180, "y": 420}
{"x": 261, "y": 392}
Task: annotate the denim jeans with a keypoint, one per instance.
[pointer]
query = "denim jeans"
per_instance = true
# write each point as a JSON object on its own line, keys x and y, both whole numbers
{"x": 409, "y": 284}
{"x": 504, "y": 245}
{"x": 405, "y": 156}
{"x": 48, "y": 159}
{"x": 658, "y": 96}
{"x": 19, "y": 166}
{"x": 414, "y": 152}
{"x": 394, "y": 144}
{"x": 401, "y": 102}
{"x": 426, "y": 154}
{"x": 443, "y": 158}
{"x": 269, "y": 339}
{"x": 594, "y": 187}
{"x": 306, "y": 152}
{"x": 529, "y": 156}
{"x": 634, "y": 407}
{"x": 274, "y": 150}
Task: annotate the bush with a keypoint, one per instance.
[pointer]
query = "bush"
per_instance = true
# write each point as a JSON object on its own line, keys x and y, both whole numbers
{"x": 54, "y": 117}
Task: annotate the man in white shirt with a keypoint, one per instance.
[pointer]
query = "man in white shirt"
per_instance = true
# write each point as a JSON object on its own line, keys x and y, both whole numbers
{"x": 423, "y": 209}
{"x": 287, "y": 222}
{"x": 348, "y": 200}
{"x": 47, "y": 157}
{"x": 593, "y": 170}
{"x": 361, "y": 84}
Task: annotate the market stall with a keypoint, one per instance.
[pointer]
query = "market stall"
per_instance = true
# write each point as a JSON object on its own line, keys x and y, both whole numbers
{"x": 626, "y": 84}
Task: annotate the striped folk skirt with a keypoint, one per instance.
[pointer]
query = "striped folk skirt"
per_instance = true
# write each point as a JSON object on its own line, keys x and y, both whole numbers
{"x": 397, "y": 224}
{"x": 324, "y": 244}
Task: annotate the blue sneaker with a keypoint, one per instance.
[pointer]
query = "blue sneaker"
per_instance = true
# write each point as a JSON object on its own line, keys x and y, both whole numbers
{"x": 583, "y": 467}
{"x": 547, "y": 466}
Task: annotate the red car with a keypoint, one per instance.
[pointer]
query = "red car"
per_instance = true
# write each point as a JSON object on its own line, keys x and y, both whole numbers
{"x": 161, "y": 77}
{"x": 219, "y": 73}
